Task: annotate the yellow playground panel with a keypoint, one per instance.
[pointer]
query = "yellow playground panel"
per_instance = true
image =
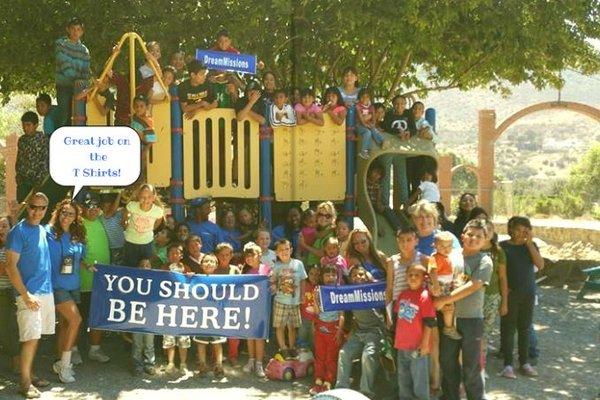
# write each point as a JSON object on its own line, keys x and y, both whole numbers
{"x": 159, "y": 158}
{"x": 310, "y": 162}
{"x": 220, "y": 155}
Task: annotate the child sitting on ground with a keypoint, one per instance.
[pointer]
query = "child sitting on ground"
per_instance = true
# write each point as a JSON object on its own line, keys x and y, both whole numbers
{"x": 287, "y": 281}
{"x": 329, "y": 334}
{"x": 183, "y": 343}
{"x": 281, "y": 113}
{"x": 307, "y": 111}
{"x": 416, "y": 318}
{"x": 332, "y": 257}
{"x": 374, "y": 179}
{"x": 209, "y": 265}
{"x": 442, "y": 276}
{"x": 365, "y": 124}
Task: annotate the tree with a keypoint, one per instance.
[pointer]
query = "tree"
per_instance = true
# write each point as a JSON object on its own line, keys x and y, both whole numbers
{"x": 412, "y": 46}
{"x": 584, "y": 177}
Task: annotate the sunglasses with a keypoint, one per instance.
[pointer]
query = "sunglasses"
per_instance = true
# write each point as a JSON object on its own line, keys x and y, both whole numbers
{"x": 36, "y": 207}
{"x": 67, "y": 214}
{"x": 325, "y": 215}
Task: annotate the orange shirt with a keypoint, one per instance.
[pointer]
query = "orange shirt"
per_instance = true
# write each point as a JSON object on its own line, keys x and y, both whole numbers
{"x": 444, "y": 266}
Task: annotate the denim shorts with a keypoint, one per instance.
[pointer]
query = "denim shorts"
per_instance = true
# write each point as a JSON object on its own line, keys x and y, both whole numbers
{"x": 62, "y": 296}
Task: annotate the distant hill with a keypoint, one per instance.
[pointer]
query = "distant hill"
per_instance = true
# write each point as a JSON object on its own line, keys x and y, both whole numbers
{"x": 558, "y": 137}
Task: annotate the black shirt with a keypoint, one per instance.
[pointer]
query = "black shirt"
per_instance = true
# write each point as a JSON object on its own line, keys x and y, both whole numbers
{"x": 259, "y": 107}
{"x": 394, "y": 123}
{"x": 519, "y": 268}
{"x": 195, "y": 94}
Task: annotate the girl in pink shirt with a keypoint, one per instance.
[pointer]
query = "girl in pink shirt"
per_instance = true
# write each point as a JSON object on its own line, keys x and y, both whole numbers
{"x": 307, "y": 111}
{"x": 334, "y": 106}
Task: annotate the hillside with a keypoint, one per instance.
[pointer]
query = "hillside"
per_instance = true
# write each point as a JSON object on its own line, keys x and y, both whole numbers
{"x": 548, "y": 142}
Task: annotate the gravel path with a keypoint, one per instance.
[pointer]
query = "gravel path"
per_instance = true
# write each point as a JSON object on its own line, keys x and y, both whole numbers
{"x": 569, "y": 367}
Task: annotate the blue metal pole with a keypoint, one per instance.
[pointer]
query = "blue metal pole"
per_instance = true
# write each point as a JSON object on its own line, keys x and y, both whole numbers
{"x": 177, "y": 200}
{"x": 430, "y": 116}
{"x": 349, "y": 201}
{"x": 266, "y": 190}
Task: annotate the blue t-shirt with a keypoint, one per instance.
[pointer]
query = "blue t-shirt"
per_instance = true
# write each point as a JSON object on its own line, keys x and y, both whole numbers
{"x": 30, "y": 242}
{"x": 51, "y": 120}
{"x": 210, "y": 233}
{"x": 520, "y": 273}
{"x": 426, "y": 244}
{"x": 288, "y": 278}
{"x": 60, "y": 249}
{"x": 231, "y": 237}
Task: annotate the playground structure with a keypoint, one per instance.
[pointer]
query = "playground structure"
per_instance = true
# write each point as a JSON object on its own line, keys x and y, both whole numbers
{"x": 214, "y": 154}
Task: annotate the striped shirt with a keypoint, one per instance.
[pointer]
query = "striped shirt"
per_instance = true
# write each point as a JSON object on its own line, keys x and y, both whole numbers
{"x": 114, "y": 230}
{"x": 4, "y": 281}
{"x": 400, "y": 283}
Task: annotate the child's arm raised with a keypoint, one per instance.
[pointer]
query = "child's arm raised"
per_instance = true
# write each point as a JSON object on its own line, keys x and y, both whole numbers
{"x": 247, "y": 111}
{"x": 536, "y": 257}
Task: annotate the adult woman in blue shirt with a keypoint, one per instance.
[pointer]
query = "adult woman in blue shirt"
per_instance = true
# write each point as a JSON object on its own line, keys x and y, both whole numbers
{"x": 66, "y": 241}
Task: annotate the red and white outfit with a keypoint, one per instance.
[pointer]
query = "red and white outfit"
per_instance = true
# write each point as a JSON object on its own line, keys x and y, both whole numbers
{"x": 326, "y": 347}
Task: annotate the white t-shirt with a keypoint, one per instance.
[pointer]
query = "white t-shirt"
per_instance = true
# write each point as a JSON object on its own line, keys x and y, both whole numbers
{"x": 140, "y": 227}
{"x": 429, "y": 191}
{"x": 145, "y": 71}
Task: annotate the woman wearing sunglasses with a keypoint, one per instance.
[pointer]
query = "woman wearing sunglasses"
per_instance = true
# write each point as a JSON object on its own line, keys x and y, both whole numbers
{"x": 326, "y": 215}
{"x": 66, "y": 241}
{"x": 362, "y": 251}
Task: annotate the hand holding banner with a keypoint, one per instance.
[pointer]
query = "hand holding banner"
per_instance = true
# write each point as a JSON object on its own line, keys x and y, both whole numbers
{"x": 167, "y": 303}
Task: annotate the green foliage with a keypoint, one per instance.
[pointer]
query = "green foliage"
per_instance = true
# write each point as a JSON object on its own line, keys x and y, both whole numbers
{"x": 408, "y": 46}
{"x": 584, "y": 178}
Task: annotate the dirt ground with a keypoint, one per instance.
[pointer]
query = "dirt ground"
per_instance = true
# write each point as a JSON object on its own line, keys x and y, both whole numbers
{"x": 569, "y": 366}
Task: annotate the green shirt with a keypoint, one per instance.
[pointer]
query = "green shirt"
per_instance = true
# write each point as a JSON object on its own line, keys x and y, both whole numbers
{"x": 97, "y": 250}
{"x": 499, "y": 258}
{"x": 318, "y": 244}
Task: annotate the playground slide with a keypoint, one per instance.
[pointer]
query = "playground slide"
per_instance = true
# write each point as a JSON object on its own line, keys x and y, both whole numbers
{"x": 385, "y": 240}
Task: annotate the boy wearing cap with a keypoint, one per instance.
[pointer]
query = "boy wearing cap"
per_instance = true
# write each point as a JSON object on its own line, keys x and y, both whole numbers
{"x": 195, "y": 93}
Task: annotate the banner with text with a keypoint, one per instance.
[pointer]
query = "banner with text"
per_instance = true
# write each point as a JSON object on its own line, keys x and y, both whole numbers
{"x": 225, "y": 61}
{"x": 167, "y": 303}
{"x": 352, "y": 297}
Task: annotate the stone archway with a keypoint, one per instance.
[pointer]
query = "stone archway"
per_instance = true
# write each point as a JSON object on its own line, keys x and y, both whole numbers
{"x": 489, "y": 133}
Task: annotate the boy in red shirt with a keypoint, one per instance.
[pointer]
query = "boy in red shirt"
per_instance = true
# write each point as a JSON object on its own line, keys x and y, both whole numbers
{"x": 416, "y": 317}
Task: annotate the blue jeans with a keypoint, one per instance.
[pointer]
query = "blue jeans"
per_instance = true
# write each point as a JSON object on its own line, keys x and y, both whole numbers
{"x": 366, "y": 134}
{"x": 64, "y": 98}
{"x": 305, "y": 334}
{"x": 471, "y": 330}
{"x": 365, "y": 345}
{"x": 400, "y": 179}
{"x": 142, "y": 350}
{"x": 519, "y": 316}
{"x": 413, "y": 376}
{"x": 134, "y": 253}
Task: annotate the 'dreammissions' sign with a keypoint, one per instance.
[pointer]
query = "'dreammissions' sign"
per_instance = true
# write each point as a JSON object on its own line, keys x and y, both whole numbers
{"x": 160, "y": 302}
{"x": 225, "y": 61}
{"x": 352, "y": 297}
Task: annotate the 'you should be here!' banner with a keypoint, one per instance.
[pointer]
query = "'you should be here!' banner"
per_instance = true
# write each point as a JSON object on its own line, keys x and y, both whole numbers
{"x": 166, "y": 303}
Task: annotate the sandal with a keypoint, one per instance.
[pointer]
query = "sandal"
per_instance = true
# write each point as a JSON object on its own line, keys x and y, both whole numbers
{"x": 30, "y": 393}
{"x": 39, "y": 382}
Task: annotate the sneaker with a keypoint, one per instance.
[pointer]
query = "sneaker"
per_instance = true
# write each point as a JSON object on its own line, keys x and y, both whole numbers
{"x": 98, "y": 355}
{"x": 364, "y": 154}
{"x": 138, "y": 370}
{"x": 249, "y": 367}
{"x": 65, "y": 373}
{"x": 170, "y": 369}
{"x": 150, "y": 369}
{"x": 218, "y": 372}
{"x": 508, "y": 373}
{"x": 527, "y": 370}
{"x": 451, "y": 332}
{"x": 183, "y": 368}
{"x": 31, "y": 392}
{"x": 202, "y": 370}
{"x": 76, "y": 358}
{"x": 259, "y": 370}
{"x": 316, "y": 389}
